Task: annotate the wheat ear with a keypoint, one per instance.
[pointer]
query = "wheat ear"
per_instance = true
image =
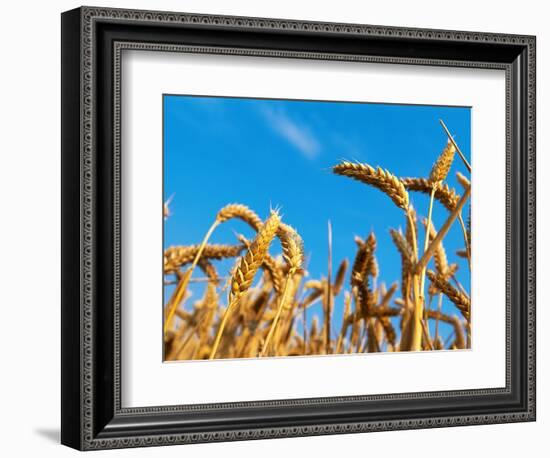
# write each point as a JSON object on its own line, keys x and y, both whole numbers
{"x": 381, "y": 179}
{"x": 293, "y": 254}
{"x": 270, "y": 265}
{"x": 360, "y": 263}
{"x": 340, "y": 277}
{"x": 407, "y": 260}
{"x": 443, "y": 194}
{"x": 458, "y": 298}
{"x": 443, "y": 164}
{"x": 177, "y": 256}
{"x": 372, "y": 265}
{"x": 246, "y": 270}
{"x": 444, "y": 270}
{"x": 363, "y": 265}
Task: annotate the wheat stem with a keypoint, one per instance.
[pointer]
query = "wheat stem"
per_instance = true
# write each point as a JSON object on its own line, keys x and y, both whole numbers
{"x": 221, "y": 327}
{"x": 418, "y": 312}
{"x": 280, "y": 309}
{"x": 442, "y": 232}
{"x": 416, "y": 325}
{"x": 182, "y": 286}
{"x": 293, "y": 253}
{"x": 427, "y": 239}
{"x": 413, "y": 233}
{"x": 246, "y": 270}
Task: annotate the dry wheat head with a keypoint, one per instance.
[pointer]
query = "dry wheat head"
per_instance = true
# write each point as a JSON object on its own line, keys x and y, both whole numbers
{"x": 241, "y": 212}
{"x": 442, "y": 165}
{"x": 379, "y": 178}
{"x": 254, "y": 257}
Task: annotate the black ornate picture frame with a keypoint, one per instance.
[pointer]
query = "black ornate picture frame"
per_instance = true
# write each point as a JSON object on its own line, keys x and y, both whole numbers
{"x": 92, "y": 42}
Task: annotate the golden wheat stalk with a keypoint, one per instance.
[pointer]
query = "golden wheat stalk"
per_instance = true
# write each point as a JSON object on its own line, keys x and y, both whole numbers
{"x": 415, "y": 323}
{"x": 416, "y": 320}
{"x": 381, "y": 179}
{"x": 439, "y": 172}
{"x": 290, "y": 306}
{"x": 293, "y": 254}
{"x": 246, "y": 270}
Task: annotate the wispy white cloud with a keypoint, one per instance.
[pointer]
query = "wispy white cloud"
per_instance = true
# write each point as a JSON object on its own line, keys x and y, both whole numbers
{"x": 298, "y": 135}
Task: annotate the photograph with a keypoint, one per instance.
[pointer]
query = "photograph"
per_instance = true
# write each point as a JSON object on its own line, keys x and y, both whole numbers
{"x": 314, "y": 228}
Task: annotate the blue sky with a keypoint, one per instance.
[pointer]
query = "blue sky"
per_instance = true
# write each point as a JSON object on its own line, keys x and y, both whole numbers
{"x": 279, "y": 153}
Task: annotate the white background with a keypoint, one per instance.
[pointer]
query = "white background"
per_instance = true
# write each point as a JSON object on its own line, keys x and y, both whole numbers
{"x": 146, "y": 381}
{"x": 30, "y": 214}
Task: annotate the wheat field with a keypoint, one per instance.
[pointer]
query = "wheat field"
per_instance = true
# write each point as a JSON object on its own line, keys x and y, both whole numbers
{"x": 263, "y": 306}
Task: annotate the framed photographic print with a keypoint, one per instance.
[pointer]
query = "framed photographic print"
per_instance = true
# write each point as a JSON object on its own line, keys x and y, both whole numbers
{"x": 278, "y": 228}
